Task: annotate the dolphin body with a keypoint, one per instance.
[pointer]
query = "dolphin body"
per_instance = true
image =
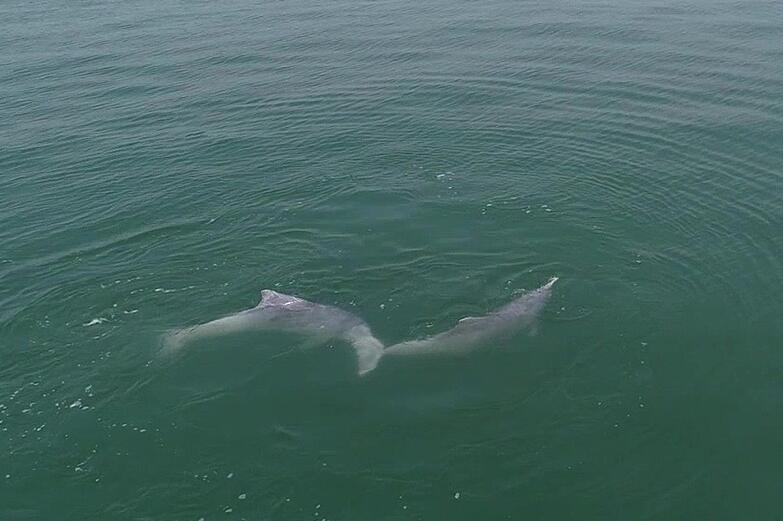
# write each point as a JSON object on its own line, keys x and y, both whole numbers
{"x": 472, "y": 332}
{"x": 281, "y": 312}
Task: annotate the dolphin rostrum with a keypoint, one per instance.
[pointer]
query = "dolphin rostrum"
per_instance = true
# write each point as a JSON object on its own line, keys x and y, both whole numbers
{"x": 472, "y": 332}
{"x": 280, "y": 312}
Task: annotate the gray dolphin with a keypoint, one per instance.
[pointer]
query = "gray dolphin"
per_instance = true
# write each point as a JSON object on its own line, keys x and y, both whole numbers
{"x": 280, "y": 312}
{"x": 472, "y": 332}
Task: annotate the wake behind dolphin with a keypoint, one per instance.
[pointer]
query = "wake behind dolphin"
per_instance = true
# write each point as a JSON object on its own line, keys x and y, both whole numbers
{"x": 472, "y": 332}
{"x": 281, "y": 312}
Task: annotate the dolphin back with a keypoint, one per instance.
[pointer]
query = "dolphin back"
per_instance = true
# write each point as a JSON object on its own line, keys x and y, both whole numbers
{"x": 472, "y": 332}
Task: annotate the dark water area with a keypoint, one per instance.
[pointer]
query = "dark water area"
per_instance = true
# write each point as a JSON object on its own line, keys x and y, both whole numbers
{"x": 163, "y": 162}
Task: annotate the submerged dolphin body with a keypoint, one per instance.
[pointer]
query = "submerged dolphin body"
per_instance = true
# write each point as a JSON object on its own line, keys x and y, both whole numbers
{"x": 472, "y": 332}
{"x": 280, "y": 312}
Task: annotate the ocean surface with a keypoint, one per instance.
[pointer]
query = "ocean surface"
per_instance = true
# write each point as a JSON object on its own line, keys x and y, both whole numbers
{"x": 413, "y": 162}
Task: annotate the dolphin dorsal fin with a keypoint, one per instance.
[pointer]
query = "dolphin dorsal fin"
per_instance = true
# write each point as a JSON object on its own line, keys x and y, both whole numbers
{"x": 273, "y": 298}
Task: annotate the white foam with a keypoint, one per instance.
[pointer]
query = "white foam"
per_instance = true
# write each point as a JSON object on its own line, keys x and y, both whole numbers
{"x": 95, "y": 321}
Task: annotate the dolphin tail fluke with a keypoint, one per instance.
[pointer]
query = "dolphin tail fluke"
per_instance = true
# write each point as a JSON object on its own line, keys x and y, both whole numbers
{"x": 368, "y": 349}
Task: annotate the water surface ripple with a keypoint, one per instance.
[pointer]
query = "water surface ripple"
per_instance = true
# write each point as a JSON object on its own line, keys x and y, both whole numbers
{"x": 162, "y": 162}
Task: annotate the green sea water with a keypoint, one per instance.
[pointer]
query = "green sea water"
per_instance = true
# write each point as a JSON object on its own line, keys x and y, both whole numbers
{"x": 163, "y": 162}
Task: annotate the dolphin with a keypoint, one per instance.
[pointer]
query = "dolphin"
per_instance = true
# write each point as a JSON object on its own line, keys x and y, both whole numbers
{"x": 472, "y": 332}
{"x": 281, "y": 312}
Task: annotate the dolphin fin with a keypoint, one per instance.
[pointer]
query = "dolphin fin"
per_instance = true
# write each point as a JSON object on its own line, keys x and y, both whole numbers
{"x": 533, "y": 329}
{"x": 273, "y": 298}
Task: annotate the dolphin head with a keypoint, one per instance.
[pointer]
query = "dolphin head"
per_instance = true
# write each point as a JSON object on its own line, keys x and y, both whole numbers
{"x": 530, "y": 304}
